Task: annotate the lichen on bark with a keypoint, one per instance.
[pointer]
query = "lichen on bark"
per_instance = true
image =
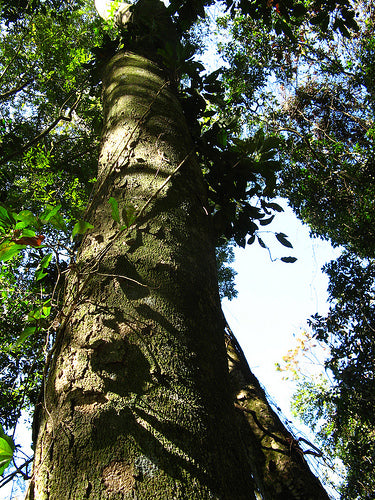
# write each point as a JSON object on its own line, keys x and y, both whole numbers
{"x": 137, "y": 402}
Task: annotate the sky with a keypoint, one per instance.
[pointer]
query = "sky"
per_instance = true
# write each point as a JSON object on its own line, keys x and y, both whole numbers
{"x": 275, "y": 299}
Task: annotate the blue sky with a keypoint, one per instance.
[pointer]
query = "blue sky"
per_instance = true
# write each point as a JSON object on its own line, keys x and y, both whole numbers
{"x": 275, "y": 299}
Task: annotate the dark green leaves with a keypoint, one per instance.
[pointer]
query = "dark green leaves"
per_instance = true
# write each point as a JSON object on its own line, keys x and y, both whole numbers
{"x": 243, "y": 169}
{"x": 281, "y": 237}
{"x": 289, "y": 260}
{"x": 265, "y": 222}
{"x": 283, "y": 27}
{"x": 261, "y": 242}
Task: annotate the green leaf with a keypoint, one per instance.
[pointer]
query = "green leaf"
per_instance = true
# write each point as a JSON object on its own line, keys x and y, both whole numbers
{"x": 6, "y": 450}
{"x": 341, "y": 26}
{"x": 45, "y": 261}
{"x": 49, "y": 213}
{"x": 258, "y": 139}
{"x": 3, "y": 214}
{"x": 28, "y": 330}
{"x": 7, "y": 438}
{"x": 6, "y": 218}
{"x": 58, "y": 222}
{"x": 288, "y": 260}
{"x": 81, "y": 227}
{"x": 52, "y": 215}
{"x": 281, "y": 237}
{"x": 25, "y": 218}
{"x": 39, "y": 274}
{"x": 46, "y": 308}
{"x": 43, "y": 264}
{"x": 28, "y": 233}
{"x": 115, "y": 212}
{"x": 40, "y": 312}
{"x": 129, "y": 215}
{"x": 212, "y": 77}
{"x": 9, "y": 249}
{"x": 267, "y": 155}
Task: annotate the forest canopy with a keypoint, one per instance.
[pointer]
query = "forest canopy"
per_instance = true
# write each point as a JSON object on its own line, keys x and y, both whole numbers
{"x": 289, "y": 113}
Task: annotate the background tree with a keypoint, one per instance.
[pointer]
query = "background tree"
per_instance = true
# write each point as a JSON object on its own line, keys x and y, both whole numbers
{"x": 325, "y": 121}
{"x": 338, "y": 403}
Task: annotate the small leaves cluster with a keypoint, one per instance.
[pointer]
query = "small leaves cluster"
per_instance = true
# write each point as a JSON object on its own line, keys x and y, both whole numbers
{"x": 23, "y": 230}
{"x": 128, "y": 213}
{"x": 280, "y": 13}
{"x": 241, "y": 177}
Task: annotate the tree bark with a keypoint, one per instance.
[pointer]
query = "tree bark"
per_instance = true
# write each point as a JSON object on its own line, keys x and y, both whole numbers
{"x": 137, "y": 403}
{"x": 278, "y": 465}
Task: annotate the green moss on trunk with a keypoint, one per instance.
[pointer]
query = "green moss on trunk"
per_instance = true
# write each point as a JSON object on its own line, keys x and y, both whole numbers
{"x": 137, "y": 403}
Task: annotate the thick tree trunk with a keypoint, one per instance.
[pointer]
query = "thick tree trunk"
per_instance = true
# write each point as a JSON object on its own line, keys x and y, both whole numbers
{"x": 137, "y": 402}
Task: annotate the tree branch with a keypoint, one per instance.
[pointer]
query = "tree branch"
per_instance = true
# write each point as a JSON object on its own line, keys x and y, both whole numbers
{"x": 14, "y": 90}
{"x": 46, "y": 131}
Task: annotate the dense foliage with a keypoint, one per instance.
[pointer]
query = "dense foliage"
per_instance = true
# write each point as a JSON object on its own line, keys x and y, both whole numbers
{"x": 323, "y": 115}
{"x": 50, "y": 120}
{"x": 52, "y": 54}
{"x": 346, "y": 406}
{"x": 330, "y": 142}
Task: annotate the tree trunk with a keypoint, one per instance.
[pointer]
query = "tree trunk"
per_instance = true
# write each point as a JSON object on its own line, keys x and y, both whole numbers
{"x": 277, "y": 461}
{"x": 137, "y": 402}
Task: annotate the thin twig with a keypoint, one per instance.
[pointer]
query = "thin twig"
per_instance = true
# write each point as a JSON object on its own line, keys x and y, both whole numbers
{"x": 61, "y": 117}
{"x": 124, "y": 278}
{"x": 14, "y": 90}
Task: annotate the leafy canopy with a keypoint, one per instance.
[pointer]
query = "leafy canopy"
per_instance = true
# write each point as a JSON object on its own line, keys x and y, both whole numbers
{"x": 52, "y": 55}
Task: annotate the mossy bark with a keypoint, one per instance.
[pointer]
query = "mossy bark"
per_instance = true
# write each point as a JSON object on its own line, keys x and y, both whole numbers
{"x": 138, "y": 403}
{"x": 277, "y": 462}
